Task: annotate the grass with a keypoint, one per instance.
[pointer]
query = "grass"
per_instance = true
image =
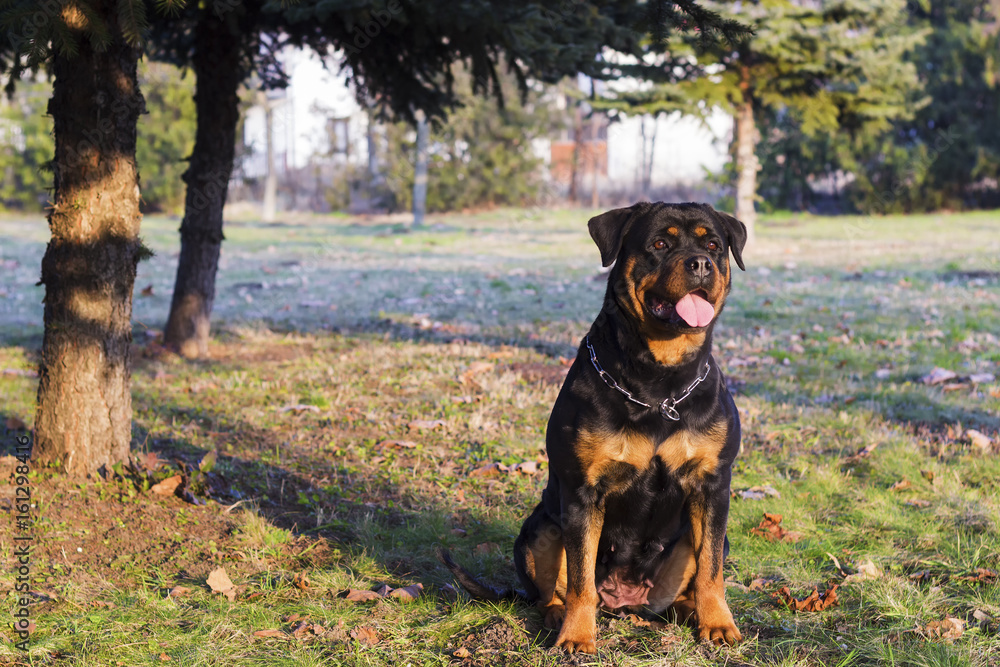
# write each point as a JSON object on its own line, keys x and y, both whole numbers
{"x": 825, "y": 338}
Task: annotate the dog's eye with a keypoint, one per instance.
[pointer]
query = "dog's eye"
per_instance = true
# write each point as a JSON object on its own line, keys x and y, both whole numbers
{"x": 660, "y": 245}
{"x": 712, "y": 245}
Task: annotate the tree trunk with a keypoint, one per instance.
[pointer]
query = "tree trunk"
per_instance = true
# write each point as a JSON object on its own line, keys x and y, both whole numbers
{"x": 271, "y": 179}
{"x": 83, "y": 421}
{"x": 420, "y": 171}
{"x": 747, "y": 164}
{"x": 219, "y": 72}
{"x": 574, "y": 174}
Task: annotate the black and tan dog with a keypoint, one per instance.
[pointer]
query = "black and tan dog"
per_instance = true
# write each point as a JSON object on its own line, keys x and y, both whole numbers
{"x": 642, "y": 437}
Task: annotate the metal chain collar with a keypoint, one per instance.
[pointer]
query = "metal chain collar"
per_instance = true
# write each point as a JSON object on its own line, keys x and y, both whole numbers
{"x": 668, "y": 407}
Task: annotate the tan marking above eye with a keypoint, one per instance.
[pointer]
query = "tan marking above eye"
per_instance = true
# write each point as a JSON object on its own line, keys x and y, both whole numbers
{"x": 672, "y": 230}
{"x": 700, "y": 231}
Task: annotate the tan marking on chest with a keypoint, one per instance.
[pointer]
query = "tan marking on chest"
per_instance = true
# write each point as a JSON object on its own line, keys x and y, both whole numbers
{"x": 597, "y": 449}
{"x": 701, "y": 448}
{"x": 675, "y": 351}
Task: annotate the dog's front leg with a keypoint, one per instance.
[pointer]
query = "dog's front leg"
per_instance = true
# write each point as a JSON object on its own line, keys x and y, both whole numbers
{"x": 709, "y": 513}
{"x": 583, "y": 520}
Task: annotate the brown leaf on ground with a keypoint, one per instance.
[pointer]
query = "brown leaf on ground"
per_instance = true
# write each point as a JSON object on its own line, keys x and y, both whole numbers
{"x": 147, "y": 291}
{"x": 355, "y": 595}
{"x": 461, "y": 652}
{"x": 300, "y": 408}
{"x": 165, "y": 658}
{"x": 815, "y": 601}
{"x": 980, "y": 440}
{"x": 402, "y": 444}
{"x": 366, "y": 635}
{"x": 304, "y": 628}
{"x": 16, "y": 424}
{"x": 981, "y": 575}
{"x": 489, "y": 470}
{"x": 301, "y": 581}
{"x": 474, "y": 369}
{"x": 922, "y": 575}
{"x": 929, "y": 475}
{"x": 757, "y": 493}
{"x": 179, "y": 591}
{"x": 168, "y": 486}
{"x": 770, "y": 529}
{"x": 761, "y": 583}
{"x": 526, "y": 467}
{"x": 150, "y": 462}
{"x": 918, "y": 502}
{"x": 939, "y": 375}
{"x": 425, "y": 424}
{"x": 407, "y": 593}
{"x": 948, "y": 629}
{"x": 486, "y": 547}
{"x": 900, "y": 485}
{"x": 220, "y": 583}
{"x": 277, "y": 634}
{"x": 383, "y": 590}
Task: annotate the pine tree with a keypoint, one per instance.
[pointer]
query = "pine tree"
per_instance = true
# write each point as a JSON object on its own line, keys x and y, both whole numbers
{"x": 830, "y": 67}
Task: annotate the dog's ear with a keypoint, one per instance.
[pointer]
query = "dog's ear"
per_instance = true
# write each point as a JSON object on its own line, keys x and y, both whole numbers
{"x": 736, "y": 235}
{"x": 608, "y": 231}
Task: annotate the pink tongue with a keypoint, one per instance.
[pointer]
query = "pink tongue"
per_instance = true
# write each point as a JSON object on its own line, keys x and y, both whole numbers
{"x": 696, "y": 311}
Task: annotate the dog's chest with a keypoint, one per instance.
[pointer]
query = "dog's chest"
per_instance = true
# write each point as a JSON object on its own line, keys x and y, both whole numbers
{"x": 692, "y": 453}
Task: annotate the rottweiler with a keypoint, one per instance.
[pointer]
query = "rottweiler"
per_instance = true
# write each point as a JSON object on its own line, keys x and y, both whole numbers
{"x": 642, "y": 438}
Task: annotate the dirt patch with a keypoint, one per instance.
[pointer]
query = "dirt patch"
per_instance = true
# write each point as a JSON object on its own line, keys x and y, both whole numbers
{"x": 500, "y": 642}
{"x": 536, "y": 371}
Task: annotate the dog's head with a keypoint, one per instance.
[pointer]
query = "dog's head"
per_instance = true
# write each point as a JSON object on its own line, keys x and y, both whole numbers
{"x": 672, "y": 272}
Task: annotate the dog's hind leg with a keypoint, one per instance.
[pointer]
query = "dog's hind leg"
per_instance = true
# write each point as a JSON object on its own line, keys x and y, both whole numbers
{"x": 540, "y": 560}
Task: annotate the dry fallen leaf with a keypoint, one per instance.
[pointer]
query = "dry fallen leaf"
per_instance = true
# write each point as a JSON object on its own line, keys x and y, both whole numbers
{"x": 938, "y": 375}
{"x": 489, "y": 470}
{"x": 165, "y": 658}
{"x": 980, "y": 575}
{"x": 355, "y": 595}
{"x": 867, "y": 569}
{"x": 461, "y": 652}
{"x": 486, "y": 547}
{"x": 770, "y": 529}
{"x": 300, "y": 408}
{"x": 220, "y": 583}
{"x": 278, "y": 634}
{"x": 758, "y": 492}
{"x": 301, "y": 581}
{"x": 948, "y": 629}
{"x": 147, "y": 290}
{"x": 526, "y": 467}
{"x": 900, "y": 485}
{"x": 918, "y": 502}
{"x": 168, "y": 486}
{"x": 365, "y": 635}
{"x": 928, "y": 475}
{"x": 425, "y": 424}
{"x": 383, "y": 590}
{"x": 474, "y": 369}
{"x": 402, "y": 444}
{"x": 980, "y": 440}
{"x": 407, "y": 593}
{"x": 179, "y": 591}
{"x": 815, "y": 601}
{"x": 16, "y": 424}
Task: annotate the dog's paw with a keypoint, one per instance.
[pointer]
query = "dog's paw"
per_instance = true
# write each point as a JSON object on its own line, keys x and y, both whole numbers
{"x": 577, "y": 645}
{"x": 719, "y": 634}
{"x": 554, "y": 615}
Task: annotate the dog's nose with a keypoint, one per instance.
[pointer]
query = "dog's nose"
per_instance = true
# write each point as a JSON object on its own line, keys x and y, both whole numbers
{"x": 699, "y": 266}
